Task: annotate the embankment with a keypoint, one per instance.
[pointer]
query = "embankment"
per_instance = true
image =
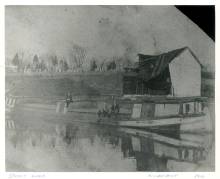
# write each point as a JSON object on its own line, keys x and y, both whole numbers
{"x": 58, "y": 85}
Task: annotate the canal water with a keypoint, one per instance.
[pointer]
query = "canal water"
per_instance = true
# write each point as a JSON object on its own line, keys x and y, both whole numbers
{"x": 45, "y": 145}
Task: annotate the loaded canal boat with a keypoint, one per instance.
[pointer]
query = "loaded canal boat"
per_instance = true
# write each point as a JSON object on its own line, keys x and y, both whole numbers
{"x": 153, "y": 113}
{"x": 160, "y": 92}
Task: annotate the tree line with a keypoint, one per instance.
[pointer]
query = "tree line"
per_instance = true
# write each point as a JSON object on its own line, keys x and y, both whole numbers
{"x": 77, "y": 62}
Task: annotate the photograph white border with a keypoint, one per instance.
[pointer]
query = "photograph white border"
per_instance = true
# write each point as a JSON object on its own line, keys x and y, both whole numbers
{"x": 97, "y": 175}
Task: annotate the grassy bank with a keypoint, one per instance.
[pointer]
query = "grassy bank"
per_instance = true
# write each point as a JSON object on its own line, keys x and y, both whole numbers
{"x": 59, "y": 85}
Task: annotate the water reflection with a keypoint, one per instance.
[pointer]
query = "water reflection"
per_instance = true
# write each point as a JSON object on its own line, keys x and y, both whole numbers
{"x": 84, "y": 147}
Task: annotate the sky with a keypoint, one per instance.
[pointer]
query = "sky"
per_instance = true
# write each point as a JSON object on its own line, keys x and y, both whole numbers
{"x": 104, "y": 31}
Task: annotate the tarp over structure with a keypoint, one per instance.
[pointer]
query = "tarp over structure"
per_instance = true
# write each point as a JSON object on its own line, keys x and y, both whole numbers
{"x": 177, "y": 72}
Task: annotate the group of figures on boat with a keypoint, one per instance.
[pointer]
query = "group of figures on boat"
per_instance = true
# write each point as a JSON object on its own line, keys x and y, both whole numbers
{"x": 107, "y": 111}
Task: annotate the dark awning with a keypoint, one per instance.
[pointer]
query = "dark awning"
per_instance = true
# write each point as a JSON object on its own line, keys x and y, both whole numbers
{"x": 151, "y": 66}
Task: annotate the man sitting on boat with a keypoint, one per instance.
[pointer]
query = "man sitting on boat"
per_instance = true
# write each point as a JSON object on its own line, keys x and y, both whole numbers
{"x": 69, "y": 99}
{"x": 115, "y": 109}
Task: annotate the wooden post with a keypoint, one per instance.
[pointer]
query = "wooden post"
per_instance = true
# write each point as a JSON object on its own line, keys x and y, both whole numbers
{"x": 58, "y": 107}
{"x": 10, "y": 124}
{"x": 172, "y": 90}
{"x": 7, "y": 100}
{"x": 142, "y": 90}
{"x": 13, "y": 102}
{"x": 65, "y": 109}
{"x": 136, "y": 87}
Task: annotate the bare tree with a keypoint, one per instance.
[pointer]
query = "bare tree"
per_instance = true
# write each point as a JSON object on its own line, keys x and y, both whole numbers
{"x": 18, "y": 61}
{"x": 65, "y": 65}
{"x": 93, "y": 65}
{"x": 15, "y": 60}
{"x": 42, "y": 65}
{"x": 54, "y": 60}
{"x": 111, "y": 65}
{"x": 52, "y": 63}
{"x": 35, "y": 63}
{"x": 101, "y": 66}
{"x": 78, "y": 54}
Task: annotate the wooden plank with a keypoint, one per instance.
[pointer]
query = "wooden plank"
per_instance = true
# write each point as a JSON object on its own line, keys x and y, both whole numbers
{"x": 163, "y": 122}
{"x": 160, "y": 138}
{"x": 136, "y": 113}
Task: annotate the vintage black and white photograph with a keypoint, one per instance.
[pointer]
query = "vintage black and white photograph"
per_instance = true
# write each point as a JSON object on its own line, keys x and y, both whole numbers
{"x": 109, "y": 88}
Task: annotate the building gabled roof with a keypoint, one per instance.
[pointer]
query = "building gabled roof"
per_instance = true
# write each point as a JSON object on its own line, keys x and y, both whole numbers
{"x": 151, "y": 66}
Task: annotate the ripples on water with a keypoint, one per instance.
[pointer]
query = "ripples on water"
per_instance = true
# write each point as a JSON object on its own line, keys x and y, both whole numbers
{"x": 47, "y": 146}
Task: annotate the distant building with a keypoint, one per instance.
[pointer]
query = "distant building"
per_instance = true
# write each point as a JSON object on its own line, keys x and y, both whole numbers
{"x": 176, "y": 73}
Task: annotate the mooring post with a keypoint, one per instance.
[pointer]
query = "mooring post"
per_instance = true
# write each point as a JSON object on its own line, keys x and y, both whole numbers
{"x": 6, "y": 100}
{"x": 13, "y": 102}
{"x": 10, "y": 124}
{"x": 58, "y": 107}
{"x": 65, "y": 109}
{"x": 61, "y": 107}
{"x": 9, "y": 102}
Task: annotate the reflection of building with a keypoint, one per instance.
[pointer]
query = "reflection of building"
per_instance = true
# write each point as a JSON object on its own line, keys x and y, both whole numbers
{"x": 149, "y": 162}
{"x": 153, "y": 152}
{"x": 145, "y": 155}
{"x": 126, "y": 146}
{"x": 162, "y": 149}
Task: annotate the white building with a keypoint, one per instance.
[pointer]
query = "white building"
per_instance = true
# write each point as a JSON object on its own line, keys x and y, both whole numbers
{"x": 176, "y": 73}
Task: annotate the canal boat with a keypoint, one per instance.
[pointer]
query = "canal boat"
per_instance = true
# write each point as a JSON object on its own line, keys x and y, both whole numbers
{"x": 161, "y": 92}
{"x": 167, "y": 114}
